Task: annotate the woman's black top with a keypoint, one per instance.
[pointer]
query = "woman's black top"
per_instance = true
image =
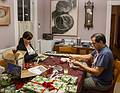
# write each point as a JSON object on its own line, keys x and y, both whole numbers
{"x": 27, "y": 57}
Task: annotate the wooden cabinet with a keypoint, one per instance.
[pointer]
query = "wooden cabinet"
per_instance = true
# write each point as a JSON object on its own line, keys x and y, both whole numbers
{"x": 83, "y": 50}
{"x": 72, "y": 49}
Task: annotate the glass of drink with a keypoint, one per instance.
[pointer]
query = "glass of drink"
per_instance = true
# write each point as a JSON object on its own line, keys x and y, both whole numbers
{"x": 65, "y": 70}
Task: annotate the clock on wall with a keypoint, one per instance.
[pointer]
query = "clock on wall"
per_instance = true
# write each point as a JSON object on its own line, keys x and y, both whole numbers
{"x": 89, "y": 14}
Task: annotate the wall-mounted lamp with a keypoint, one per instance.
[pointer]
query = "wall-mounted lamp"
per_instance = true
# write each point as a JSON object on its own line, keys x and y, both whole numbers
{"x": 89, "y": 14}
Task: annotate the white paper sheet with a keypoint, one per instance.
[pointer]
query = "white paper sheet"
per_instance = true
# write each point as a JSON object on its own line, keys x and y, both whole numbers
{"x": 37, "y": 70}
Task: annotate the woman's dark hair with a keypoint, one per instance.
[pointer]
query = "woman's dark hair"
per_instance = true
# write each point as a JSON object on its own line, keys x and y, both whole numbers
{"x": 99, "y": 37}
{"x": 27, "y": 35}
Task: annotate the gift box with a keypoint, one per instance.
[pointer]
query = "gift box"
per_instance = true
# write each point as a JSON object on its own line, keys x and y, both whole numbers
{"x": 41, "y": 79}
{"x": 40, "y": 84}
{"x": 57, "y": 84}
{"x": 34, "y": 87}
{"x": 71, "y": 88}
{"x": 62, "y": 89}
{"x": 69, "y": 79}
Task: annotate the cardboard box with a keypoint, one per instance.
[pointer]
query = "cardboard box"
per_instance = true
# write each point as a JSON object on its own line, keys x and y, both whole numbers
{"x": 17, "y": 58}
{"x": 15, "y": 62}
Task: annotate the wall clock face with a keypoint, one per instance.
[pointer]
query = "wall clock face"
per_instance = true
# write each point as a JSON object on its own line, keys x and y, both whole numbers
{"x": 2, "y": 13}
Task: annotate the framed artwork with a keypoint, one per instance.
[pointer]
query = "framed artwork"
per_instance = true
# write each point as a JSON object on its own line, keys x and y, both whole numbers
{"x": 64, "y": 17}
{"x": 4, "y": 15}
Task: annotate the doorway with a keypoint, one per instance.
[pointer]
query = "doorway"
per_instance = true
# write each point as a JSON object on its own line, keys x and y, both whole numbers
{"x": 25, "y": 14}
{"x": 113, "y": 28}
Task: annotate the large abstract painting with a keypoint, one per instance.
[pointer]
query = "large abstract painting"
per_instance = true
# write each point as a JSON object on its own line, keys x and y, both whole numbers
{"x": 64, "y": 17}
{"x": 4, "y": 15}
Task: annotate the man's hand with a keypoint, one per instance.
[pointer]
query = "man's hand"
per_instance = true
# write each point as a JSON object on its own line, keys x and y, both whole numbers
{"x": 73, "y": 57}
{"x": 77, "y": 63}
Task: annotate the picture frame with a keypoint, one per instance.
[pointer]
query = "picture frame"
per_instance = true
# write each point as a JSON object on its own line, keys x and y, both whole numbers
{"x": 64, "y": 17}
{"x": 4, "y": 15}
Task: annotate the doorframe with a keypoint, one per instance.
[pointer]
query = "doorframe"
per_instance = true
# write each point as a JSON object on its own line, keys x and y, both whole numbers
{"x": 108, "y": 19}
{"x": 35, "y": 24}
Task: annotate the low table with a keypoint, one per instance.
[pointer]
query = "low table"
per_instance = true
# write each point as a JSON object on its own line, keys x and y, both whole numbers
{"x": 52, "y": 61}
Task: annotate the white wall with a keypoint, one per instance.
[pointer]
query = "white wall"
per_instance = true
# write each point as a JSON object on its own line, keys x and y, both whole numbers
{"x": 99, "y": 17}
{"x": 7, "y": 38}
{"x": 45, "y": 45}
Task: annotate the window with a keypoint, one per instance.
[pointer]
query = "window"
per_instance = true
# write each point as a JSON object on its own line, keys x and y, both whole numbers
{"x": 24, "y": 10}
